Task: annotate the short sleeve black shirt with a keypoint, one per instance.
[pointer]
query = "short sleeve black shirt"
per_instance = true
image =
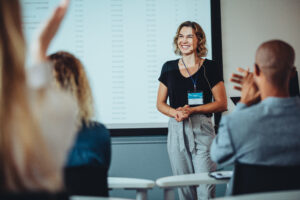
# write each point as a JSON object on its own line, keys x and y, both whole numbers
{"x": 178, "y": 86}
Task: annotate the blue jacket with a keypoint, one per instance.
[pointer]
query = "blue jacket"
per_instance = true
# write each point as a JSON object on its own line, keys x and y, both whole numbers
{"x": 92, "y": 146}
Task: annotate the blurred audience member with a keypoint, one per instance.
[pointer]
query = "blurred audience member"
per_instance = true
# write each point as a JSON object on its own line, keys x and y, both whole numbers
{"x": 92, "y": 146}
{"x": 37, "y": 122}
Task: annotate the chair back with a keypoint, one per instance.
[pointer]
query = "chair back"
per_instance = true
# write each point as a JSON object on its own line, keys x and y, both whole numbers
{"x": 250, "y": 178}
{"x": 86, "y": 180}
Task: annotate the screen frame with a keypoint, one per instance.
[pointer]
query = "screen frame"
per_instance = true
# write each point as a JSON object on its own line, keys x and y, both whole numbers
{"x": 216, "y": 35}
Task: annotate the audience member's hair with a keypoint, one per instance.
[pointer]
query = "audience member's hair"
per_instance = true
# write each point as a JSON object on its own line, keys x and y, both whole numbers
{"x": 276, "y": 59}
{"x": 70, "y": 75}
{"x": 24, "y": 158}
{"x": 201, "y": 46}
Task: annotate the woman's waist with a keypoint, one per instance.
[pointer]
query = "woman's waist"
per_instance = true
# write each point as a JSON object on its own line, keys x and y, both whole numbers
{"x": 195, "y": 116}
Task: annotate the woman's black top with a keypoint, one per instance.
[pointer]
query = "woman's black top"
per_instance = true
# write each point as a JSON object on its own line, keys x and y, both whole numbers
{"x": 178, "y": 86}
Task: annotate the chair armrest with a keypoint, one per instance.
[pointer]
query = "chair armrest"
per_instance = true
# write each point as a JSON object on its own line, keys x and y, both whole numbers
{"x": 188, "y": 180}
{"x": 129, "y": 183}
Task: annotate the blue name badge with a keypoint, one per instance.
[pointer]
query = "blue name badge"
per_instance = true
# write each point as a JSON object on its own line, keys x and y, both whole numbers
{"x": 195, "y": 98}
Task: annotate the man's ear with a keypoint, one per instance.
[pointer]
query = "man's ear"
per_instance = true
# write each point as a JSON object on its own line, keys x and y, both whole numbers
{"x": 256, "y": 70}
{"x": 293, "y": 72}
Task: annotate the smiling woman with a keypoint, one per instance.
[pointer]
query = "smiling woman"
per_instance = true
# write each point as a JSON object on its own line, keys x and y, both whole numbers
{"x": 190, "y": 83}
{"x": 195, "y": 34}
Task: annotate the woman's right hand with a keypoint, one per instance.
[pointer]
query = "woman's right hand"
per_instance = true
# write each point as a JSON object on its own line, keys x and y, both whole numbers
{"x": 180, "y": 115}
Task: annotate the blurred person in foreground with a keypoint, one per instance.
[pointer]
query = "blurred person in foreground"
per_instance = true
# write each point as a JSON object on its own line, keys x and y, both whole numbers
{"x": 37, "y": 121}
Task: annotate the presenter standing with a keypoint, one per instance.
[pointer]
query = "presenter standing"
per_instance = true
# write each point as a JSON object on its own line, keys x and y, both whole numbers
{"x": 190, "y": 83}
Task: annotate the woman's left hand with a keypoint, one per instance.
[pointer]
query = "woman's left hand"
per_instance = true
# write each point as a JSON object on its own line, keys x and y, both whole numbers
{"x": 48, "y": 32}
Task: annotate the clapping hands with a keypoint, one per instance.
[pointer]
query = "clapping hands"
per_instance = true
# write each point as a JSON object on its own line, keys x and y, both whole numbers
{"x": 246, "y": 84}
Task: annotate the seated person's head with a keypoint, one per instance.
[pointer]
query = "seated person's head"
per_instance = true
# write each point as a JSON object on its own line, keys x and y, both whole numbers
{"x": 275, "y": 59}
{"x": 70, "y": 75}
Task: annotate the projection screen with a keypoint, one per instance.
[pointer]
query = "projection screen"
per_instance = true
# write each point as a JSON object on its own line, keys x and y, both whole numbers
{"x": 122, "y": 45}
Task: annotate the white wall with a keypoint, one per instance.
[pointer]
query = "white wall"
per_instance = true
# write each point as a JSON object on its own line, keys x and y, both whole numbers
{"x": 247, "y": 23}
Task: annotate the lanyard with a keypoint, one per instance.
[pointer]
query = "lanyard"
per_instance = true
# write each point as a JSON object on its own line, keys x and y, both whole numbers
{"x": 194, "y": 81}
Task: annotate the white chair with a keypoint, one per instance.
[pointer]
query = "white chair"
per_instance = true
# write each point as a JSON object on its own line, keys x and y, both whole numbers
{"x": 171, "y": 182}
{"x": 140, "y": 185}
{"x": 95, "y": 198}
{"x": 278, "y": 195}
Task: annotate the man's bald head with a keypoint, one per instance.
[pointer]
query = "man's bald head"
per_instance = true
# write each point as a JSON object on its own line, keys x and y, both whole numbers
{"x": 275, "y": 59}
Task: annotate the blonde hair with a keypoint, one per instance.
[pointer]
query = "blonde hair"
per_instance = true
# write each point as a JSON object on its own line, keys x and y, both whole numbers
{"x": 25, "y": 163}
{"x": 70, "y": 75}
{"x": 201, "y": 45}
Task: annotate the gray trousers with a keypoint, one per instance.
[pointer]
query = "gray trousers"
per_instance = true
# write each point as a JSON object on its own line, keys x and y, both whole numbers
{"x": 188, "y": 147}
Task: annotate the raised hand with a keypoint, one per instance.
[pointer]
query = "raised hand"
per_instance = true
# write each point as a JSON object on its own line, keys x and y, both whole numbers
{"x": 246, "y": 84}
{"x": 237, "y": 78}
{"x": 48, "y": 31}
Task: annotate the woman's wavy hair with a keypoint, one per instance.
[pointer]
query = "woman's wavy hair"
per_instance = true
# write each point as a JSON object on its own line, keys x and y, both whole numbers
{"x": 24, "y": 158}
{"x": 70, "y": 75}
{"x": 201, "y": 46}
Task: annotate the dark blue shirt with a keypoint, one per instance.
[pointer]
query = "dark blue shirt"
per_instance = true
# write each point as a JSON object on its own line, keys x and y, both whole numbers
{"x": 92, "y": 146}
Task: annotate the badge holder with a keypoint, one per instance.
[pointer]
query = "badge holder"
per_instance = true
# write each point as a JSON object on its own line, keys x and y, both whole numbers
{"x": 195, "y": 98}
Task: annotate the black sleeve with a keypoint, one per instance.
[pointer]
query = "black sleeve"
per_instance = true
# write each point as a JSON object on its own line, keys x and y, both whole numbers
{"x": 213, "y": 73}
{"x": 163, "y": 78}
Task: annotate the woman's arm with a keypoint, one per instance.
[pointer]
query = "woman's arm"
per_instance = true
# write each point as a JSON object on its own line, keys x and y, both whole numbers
{"x": 219, "y": 105}
{"x": 161, "y": 103}
{"x": 48, "y": 32}
{"x": 163, "y": 107}
{"x": 39, "y": 76}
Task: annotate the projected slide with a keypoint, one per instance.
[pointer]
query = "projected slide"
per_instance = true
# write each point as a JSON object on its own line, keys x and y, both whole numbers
{"x": 123, "y": 45}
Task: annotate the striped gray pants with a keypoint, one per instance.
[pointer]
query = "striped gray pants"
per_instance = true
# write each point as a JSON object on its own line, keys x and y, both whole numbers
{"x": 188, "y": 147}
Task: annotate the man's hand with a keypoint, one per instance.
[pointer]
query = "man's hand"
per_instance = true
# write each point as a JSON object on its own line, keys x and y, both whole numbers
{"x": 249, "y": 91}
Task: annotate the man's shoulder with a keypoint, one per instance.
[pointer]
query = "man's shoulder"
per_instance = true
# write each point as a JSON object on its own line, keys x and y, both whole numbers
{"x": 252, "y": 115}
{"x": 241, "y": 121}
{"x": 245, "y": 112}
